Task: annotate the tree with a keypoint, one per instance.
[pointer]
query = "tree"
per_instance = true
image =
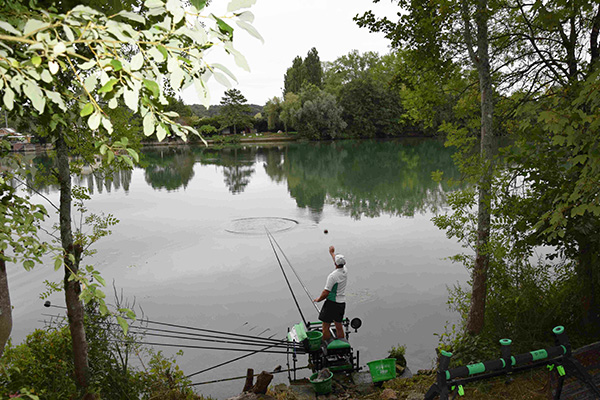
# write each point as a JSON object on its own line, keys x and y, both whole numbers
{"x": 320, "y": 117}
{"x": 303, "y": 72}
{"x": 64, "y": 76}
{"x": 294, "y": 77}
{"x": 313, "y": 68}
{"x": 291, "y": 104}
{"x": 273, "y": 109}
{"x": 431, "y": 30}
{"x": 235, "y": 110}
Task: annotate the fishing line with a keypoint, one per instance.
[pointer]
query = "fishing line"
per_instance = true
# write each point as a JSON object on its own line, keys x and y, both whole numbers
{"x": 310, "y": 297}
{"x": 286, "y": 278}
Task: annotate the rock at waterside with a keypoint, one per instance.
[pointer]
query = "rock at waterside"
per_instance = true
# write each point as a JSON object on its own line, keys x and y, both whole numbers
{"x": 389, "y": 394}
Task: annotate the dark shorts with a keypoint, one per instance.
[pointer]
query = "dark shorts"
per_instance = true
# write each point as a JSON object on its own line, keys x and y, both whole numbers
{"x": 332, "y": 312}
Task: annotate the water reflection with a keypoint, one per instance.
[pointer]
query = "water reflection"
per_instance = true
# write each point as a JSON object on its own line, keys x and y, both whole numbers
{"x": 360, "y": 178}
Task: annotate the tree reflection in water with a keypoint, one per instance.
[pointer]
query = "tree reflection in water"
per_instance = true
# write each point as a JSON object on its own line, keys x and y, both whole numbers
{"x": 361, "y": 178}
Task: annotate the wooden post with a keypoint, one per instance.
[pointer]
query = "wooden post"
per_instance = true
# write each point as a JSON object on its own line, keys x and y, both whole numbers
{"x": 262, "y": 383}
{"x": 249, "y": 380}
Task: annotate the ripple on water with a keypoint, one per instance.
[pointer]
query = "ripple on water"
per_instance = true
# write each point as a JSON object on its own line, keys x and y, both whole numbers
{"x": 257, "y": 225}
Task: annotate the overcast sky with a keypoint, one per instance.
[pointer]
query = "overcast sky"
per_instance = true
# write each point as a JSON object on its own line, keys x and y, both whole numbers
{"x": 291, "y": 28}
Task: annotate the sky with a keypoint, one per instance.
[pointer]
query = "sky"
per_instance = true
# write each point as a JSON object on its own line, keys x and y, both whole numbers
{"x": 291, "y": 28}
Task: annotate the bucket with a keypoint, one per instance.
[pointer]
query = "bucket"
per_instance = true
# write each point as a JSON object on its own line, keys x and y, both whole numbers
{"x": 382, "y": 370}
{"x": 322, "y": 387}
{"x": 314, "y": 340}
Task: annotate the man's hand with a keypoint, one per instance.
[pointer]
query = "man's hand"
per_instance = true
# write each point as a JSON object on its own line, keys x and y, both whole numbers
{"x": 331, "y": 249}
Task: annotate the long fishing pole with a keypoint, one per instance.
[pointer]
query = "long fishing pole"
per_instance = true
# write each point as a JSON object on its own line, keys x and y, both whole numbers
{"x": 310, "y": 297}
{"x": 286, "y": 278}
{"x": 242, "y": 377}
{"x": 230, "y": 361}
{"x": 194, "y": 336}
{"x": 267, "y": 340}
{"x": 207, "y": 347}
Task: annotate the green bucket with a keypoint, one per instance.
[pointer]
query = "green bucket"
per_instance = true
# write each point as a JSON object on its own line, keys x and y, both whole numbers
{"x": 382, "y": 370}
{"x": 322, "y": 387}
{"x": 314, "y": 340}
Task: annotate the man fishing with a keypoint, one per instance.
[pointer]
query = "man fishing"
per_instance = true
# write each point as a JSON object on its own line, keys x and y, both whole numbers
{"x": 334, "y": 296}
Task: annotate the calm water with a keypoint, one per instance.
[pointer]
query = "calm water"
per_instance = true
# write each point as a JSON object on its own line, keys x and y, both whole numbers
{"x": 190, "y": 249}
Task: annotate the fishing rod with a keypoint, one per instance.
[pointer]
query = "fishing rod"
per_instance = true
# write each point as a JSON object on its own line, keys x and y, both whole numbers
{"x": 286, "y": 278}
{"x": 242, "y": 377}
{"x": 310, "y": 297}
{"x": 195, "y": 336}
{"x": 231, "y": 361}
{"x": 253, "y": 351}
{"x": 148, "y": 321}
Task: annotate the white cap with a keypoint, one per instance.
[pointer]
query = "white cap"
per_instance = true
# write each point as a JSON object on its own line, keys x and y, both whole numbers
{"x": 340, "y": 260}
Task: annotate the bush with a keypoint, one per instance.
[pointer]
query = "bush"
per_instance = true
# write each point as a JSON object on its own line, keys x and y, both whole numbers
{"x": 43, "y": 366}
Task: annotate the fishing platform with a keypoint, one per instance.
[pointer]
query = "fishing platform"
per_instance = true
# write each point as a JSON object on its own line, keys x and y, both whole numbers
{"x": 337, "y": 355}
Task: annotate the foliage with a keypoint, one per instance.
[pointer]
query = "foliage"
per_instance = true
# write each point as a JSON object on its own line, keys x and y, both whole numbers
{"x": 290, "y": 106}
{"x": 235, "y": 110}
{"x": 303, "y": 72}
{"x": 398, "y": 353}
{"x": 43, "y": 365}
{"x": 370, "y": 110}
{"x": 273, "y": 109}
{"x": 19, "y": 218}
{"x": 320, "y": 117}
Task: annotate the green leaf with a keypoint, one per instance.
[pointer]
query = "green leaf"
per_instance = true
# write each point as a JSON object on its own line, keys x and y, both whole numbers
{"x": 68, "y": 33}
{"x": 199, "y": 4}
{"x": 9, "y": 28}
{"x": 107, "y": 125}
{"x": 163, "y": 51}
{"x": 224, "y": 28}
{"x": 46, "y": 76}
{"x": 103, "y": 309}
{"x": 110, "y": 156}
{"x": 148, "y": 124}
{"x": 90, "y": 82}
{"x": 152, "y": 86}
{"x": 54, "y": 67}
{"x": 130, "y": 314}
{"x": 87, "y": 110}
{"x": 131, "y": 98}
{"x": 222, "y": 80}
{"x": 250, "y": 29}
{"x": 88, "y": 65}
{"x": 235, "y": 5}
{"x": 224, "y": 69}
{"x": 36, "y": 60}
{"x": 33, "y": 25}
{"x": 116, "y": 64}
{"x": 132, "y": 16}
{"x": 94, "y": 120}
{"x": 137, "y": 61}
{"x": 59, "y": 48}
{"x": 34, "y": 93}
{"x": 9, "y": 98}
{"x": 28, "y": 264}
{"x": 161, "y": 132}
{"x": 108, "y": 86}
{"x": 134, "y": 155}
{"x": 123, "y": 323}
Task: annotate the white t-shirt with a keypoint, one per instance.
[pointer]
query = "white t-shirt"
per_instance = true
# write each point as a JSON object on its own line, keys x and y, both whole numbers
{"x": 336, "y": 284}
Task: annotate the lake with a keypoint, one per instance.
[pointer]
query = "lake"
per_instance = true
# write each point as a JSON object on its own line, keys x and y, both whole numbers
{"x": 190, "y": 247}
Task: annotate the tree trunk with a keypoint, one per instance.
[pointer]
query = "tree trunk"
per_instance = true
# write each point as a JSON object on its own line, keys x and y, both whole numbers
{"x": 5, "y": 307}
{"x": 475, "y": 319}
{"x": 75, "y": 310}
{"x": 588, "y": 275}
